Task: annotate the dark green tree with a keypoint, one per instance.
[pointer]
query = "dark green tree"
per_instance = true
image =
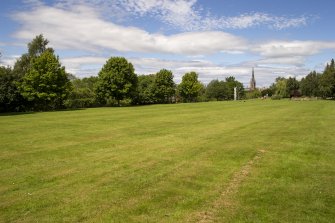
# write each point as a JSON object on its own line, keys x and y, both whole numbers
{"x": 83, "y": 93}
{"x": 292, "y": 87}
{"x": 267, "y": 92}
{"x": 10, "y": 97}
{"x": 11, "y": 79}
{"x": 117, "y": 81}
{"x": 310, "y": 85}
{"x": 231, "y": 83}
{"x": 45, "y": 84}
{"x": 327, "y": 81}
{"x": 35, "y": 48}
{"x": 164, "y": 86}
{"x": 216, "y": 90}
{"x": 146, "y": 89}
{"x": 190, "y": 88}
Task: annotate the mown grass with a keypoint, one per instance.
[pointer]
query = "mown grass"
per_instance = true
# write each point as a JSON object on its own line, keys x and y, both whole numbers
{"x": 170, "y": 163}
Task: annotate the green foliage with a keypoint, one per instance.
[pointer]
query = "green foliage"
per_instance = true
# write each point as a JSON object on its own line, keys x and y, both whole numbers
{"x": 231, "y": 83}
{"x": 253, "y": 94}
{"x": 313, "y": 85}
{"x": 146, "y": 89}
{"x": 164, "y": 86}
{"x": 327, "y": 81}
{"x": 216, "y": 90}
{"x": 10, "y": 97}
{"x": 117, "y": 81}
{"x": 267, "y": 92}
{"x": 35, "y": 48}
{"x": 310, "y": 85}
{"x": 83, "y": 93}
{"x": 45, "y": 84}
{"x": 276, "y": 97}
{"x": 292, "y": 87}
{"x": 281, "y": 88}
{"x": 190, "y": 88}
{"x": 224, "y": 90}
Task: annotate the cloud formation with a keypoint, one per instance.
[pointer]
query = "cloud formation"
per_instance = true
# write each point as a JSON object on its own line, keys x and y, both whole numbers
{"x": 187, "y": 15}
{"x": 80, "y": 25}
{"x": 82, "y": 28}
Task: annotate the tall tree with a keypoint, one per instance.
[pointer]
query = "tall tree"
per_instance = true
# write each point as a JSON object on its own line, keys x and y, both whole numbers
{"x": 164, "y": 86}
{"x": 12, "y": 79}
{"x": 216, "y": 89}
{"x": 327, "y": 81}
{"x": 190, "y": 87}
{"x": 117, "y": 81}
{"x": 83, "y": 93}
{"x": 281, "y": 87}
{"x": 231, "y": 83}
{"x": 45, "y": 84}
{"x": 292, "y": 87}
{"x": 10, "y": 97}
{"x": 146, "y": 89}
{"x": 35, "y": 48}
{"x": 310, "y": 85}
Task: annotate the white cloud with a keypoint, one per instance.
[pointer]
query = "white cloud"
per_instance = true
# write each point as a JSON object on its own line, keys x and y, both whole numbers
{"x": 188, "y": 16}
{"x": 75, "y": 26}
{"x": 292, "y": 48}
{"x": 82, "y": 28}
{"x": 252, "y": 19}
{"x": 8, "y": 60}
{"x": 185, "y": 15}
{"x": 279, "y": 61}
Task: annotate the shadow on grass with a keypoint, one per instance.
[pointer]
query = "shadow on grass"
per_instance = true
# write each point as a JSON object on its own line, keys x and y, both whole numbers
{"x": 36, "y": 112}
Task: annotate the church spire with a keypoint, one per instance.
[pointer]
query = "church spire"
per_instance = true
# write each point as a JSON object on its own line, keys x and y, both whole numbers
{"x": 252, "y": 81}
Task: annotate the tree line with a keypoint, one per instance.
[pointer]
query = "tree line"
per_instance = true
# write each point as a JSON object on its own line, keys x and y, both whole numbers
{"x": 317, "y": 85}
{"x": 38, "y": 82}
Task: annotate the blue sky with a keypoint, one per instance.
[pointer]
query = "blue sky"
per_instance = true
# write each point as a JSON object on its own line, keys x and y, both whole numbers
{"x": 215, "y": 38}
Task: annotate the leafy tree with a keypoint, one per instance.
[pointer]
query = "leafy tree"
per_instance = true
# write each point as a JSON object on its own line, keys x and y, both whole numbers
{"x": 146, "y": 89}
{"x": 10, "y": 97}
{"x": 267, "y": 91}
{"x": 117, "y": 81}
{"x": 164, "y": 86}
{"x": 256, "y": 93}
{"x": 190, "y": 87}
{"x": 292, "y": 87}
{"x": 45, "y": 84}
{"x": 310, "y": 85}
{"x": 216, "y": 89}
{"x": 83, "y": 93}
{"x": 231, "y": 83}
{"x": 35, "y": 48}
{"x": 327, "y": 81}
{"x": 12, "y": 100}
{"x": 281, "y": 87}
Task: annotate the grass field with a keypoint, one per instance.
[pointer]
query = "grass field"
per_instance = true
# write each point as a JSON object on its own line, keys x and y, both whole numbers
{"x": 253, "y": 161}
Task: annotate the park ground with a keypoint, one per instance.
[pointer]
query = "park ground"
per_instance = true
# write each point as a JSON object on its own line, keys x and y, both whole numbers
{"x": 238, "y": 161}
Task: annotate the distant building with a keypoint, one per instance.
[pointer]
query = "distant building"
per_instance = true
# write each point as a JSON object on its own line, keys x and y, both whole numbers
{"x": 252, "y": 86}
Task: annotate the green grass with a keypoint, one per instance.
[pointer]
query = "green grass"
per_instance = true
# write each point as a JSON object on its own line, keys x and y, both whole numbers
{"x": 253, "y": 161}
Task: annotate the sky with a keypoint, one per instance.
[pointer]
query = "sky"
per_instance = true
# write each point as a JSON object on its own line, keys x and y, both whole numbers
{"x": 215, "y": 38}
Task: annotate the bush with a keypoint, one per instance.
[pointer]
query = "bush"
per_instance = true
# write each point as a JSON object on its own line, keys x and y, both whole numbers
{"x": 276, "y": 97}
